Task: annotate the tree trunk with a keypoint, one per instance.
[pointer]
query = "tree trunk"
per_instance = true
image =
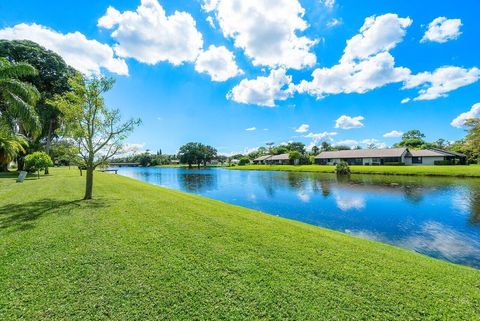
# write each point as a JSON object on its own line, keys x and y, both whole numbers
{"x": 49, "y": 142}
{"x": 38, "y": 174}
{"x": 89, "y": 184}
{"x": 20, "y": 163}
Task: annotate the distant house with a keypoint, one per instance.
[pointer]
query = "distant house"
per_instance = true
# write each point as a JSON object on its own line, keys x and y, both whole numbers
{"x": 387, "y": 156}
{"x": 174, "y": 162}
{"x": 261, "y": 159}
{"x": 282, "y": 159}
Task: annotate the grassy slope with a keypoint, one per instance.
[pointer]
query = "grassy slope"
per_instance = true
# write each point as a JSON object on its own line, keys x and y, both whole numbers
{"x": 461, "y": 171}
{"x": 142, "y": 252}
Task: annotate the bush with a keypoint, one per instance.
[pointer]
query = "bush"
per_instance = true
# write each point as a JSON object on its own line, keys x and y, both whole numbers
{"x": 38, "y": 161}
{"x": 393, "y": 164}
{"x": 342, "y": 168}
{"x": 443, "y": 162}
{"x": 243, "y": 161}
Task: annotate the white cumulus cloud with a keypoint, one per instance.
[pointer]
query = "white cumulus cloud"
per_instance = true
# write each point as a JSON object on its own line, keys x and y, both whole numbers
{"x": 441, "y": 81}
{"x": 348, "y": 122}
{"x": 303, "y": 128}
{"x": 86, "y": 55}
{"x": 267, "y": 31}
{"x": 218, "y": 62}
{"x": 150, "y": 36}
{"x": 474, "y": 112}
{"x": 393, "y": 134}
{"x": 317, "y": 137}
{"x": 263, "y": 90}
{"x": 366, "y": 63}
{"x": 347, "y": 142}
{"x": 250, "y": 129}
{"x": 442, "y": 30}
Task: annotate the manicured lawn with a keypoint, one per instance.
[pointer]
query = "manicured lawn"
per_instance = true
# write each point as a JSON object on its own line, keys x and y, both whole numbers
{"x": 461, "y": 170}
{"x": 143, "y": 252}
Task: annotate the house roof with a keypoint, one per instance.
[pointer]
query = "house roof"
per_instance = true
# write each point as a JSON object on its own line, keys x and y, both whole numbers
{"x": 432, "y": 152}
{"x": 262, "y": 158}
{"x": 362, "y": 153}
{"x": 426, "y": 153}
{"x": 279, "y": 157}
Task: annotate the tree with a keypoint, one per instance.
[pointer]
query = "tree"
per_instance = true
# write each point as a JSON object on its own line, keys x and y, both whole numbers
{"x": 97, "y": 130}
{"x": 325, "y": 147}
{"x": 191, "y": 153}
{"x": 342, "y": 147}
{"x": 65, "y": 152}
{"x": 282, "y": 149}
{"x": 51, "y": 79}
{"x": 296, "y": 146}
{"x": 11, "y": 145}
{"x": 412, "y": 139}
{"x": 145, "y": 159}
{"x": 18, "y": 98}
{"x": 371, "y": 146}
{"x": 472, "y": 140}
{"x": 270, "y": 146}
{"x": 208, "y": 154}
{"x": 315, "y": 150}
{"x": 243, "y": 161}
{"x": 37, "y": 161}
{"x": 294, "y": 157}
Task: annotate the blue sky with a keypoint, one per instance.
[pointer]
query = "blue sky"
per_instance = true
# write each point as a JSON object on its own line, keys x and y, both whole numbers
{"x": 208, "y": 70}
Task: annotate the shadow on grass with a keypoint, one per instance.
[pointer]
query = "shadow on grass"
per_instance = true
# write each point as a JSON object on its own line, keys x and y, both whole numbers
{"x": 22, "y": 217}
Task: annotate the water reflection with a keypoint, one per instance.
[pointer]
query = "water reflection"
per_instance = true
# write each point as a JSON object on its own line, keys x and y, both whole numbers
{"x": 435, "y": 216}
{"x": 197, "y": 182}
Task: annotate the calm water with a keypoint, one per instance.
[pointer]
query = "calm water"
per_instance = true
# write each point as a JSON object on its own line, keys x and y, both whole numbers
{"x": 439, "y": 217}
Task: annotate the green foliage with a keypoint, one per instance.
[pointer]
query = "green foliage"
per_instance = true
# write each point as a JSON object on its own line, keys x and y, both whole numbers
{"x": 64, "y": 152}
{"x": 11, "y": 145}
{"x": 342, "y": 168}
{"x": 243, "y": 161}
{"x": 97, "y": 130}
{"x": 37, "y": 161}
{"x": 51, "y": 79}
{"x": 326, "y": 147}
{"x": 296, "y": 147}
{"x": 341, "y": 147}
{"x": 196, "y": 153}
{"x": 412, "y": 139}
{"x": 443, "y": 162}
{"x": 18, "y": 98}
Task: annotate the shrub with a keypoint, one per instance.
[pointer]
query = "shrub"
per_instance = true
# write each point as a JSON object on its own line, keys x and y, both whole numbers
{"x": 37, "y": 161}
{"x": 342, "y": 168}
{"x": 443, "y": 162}
{"x": 243, "y": 161}
{"x": 394, "y": 164}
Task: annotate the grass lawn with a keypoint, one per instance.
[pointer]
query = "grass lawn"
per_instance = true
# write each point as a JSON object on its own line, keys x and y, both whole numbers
{"x": 460, "y": 170}
{"x": 142, "y": 252}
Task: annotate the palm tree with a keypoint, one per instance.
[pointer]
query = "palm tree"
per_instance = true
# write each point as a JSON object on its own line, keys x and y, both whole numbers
{"x": 18, "y": 98}
{"x": 10, "y": 145}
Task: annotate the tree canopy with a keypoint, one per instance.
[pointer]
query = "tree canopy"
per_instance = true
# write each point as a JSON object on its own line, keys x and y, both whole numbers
{"x": 196, "y": 153}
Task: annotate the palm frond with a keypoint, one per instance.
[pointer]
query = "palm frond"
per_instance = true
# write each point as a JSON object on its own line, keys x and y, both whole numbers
{"x": 27, "y": 92}
{"x": 24, "y": 112}
{"x": 16, "y": 70}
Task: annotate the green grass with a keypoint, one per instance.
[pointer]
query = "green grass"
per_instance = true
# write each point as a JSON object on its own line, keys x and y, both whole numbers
{"x": 459, "y": 171}
{"x": 142, "y": 252}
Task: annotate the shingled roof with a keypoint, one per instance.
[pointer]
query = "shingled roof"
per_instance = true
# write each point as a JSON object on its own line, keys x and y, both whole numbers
{"x": 363, "y": 153}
